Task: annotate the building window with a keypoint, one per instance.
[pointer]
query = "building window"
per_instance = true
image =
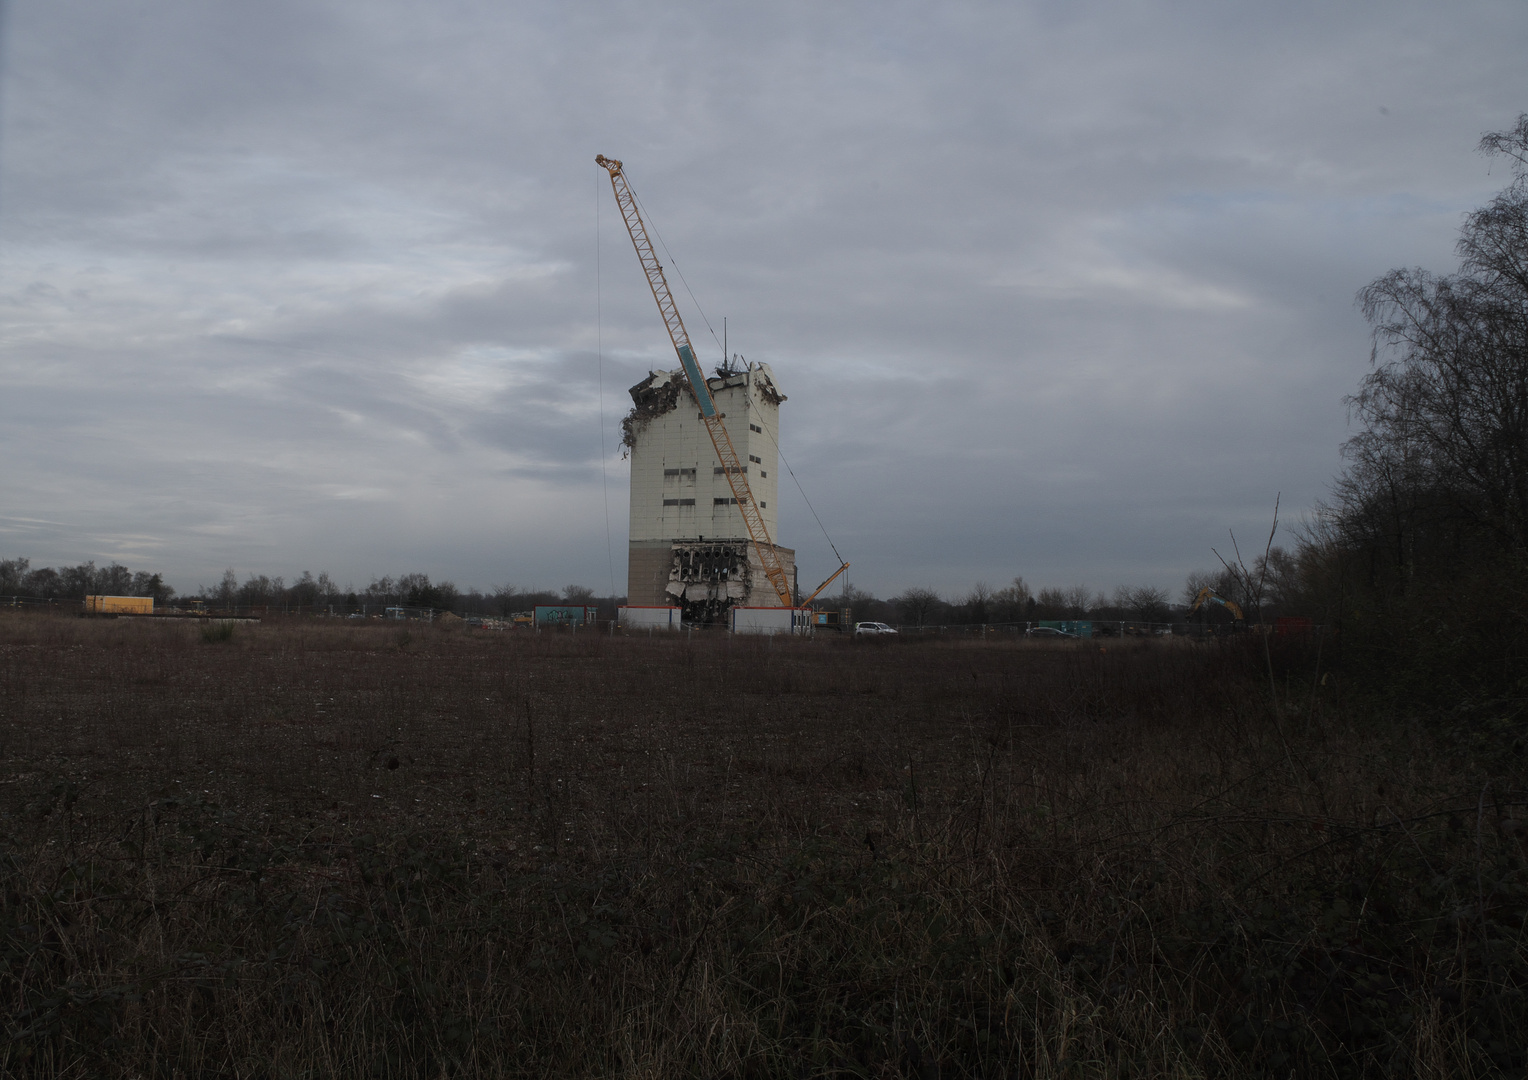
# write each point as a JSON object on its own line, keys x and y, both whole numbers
{"x": 686, "y": 502}
{"x": 755, "y": 460}
{"x": 735, "y": 469}
{"x": 681, "y": 473}
{"x": 723, "y": 502}
{"x": 763, "y": 506}
{"x": 756, "y": 427}
{"x": 670, "y": 472}
{"x": 763, "y": 475}
{"x": 678, "y": 502}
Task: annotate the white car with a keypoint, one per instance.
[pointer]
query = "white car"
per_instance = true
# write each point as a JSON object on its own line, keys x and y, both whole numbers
{"x": 872, "y": 628}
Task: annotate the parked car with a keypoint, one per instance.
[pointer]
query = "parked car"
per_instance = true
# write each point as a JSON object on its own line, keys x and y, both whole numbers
{"x": 869, "y": 629}
{"x": 1047, "y": 632}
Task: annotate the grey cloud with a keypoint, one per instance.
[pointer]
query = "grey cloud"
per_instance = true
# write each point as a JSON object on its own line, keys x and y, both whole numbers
{"x": 1055, "y": 289}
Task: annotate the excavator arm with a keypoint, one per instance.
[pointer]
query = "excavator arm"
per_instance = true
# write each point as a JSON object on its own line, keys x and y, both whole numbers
{"x": 1209, "y": 595}
{"x": 732, "y": 467}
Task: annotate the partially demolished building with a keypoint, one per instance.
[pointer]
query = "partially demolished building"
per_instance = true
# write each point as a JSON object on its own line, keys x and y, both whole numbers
{"x": 689, "y": 546}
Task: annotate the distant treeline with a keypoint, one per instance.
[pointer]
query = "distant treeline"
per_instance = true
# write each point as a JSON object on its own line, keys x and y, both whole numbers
{"x": 981, "y": 604}
{"x": 305, "y": 592}
{"x": 1270, "y": 588}
{"x": 17, "y": 578}
{"x": 415, "y": 591}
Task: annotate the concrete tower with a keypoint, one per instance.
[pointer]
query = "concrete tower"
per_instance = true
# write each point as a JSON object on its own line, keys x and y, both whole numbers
{"x": 689, "y": 546}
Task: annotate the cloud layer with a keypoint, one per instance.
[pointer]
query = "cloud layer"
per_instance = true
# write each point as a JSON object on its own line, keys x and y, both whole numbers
{"x": 1060, "y": 290}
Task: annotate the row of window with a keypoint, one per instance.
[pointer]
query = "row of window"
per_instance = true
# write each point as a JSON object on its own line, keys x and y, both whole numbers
{"x": 756, "y": 427}
{"x": 714, "y": 502}
{"x": 717, "y": 471}
{"x": 689, "y": 474}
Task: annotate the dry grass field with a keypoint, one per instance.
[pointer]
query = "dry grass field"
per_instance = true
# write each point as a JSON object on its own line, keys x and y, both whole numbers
{"x": 312, "y": 848}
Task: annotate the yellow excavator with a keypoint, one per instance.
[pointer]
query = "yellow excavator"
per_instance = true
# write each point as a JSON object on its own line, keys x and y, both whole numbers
{"x": 1208, "y": 595}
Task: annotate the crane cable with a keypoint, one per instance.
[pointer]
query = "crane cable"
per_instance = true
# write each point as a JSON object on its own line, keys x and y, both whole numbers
{"x": 599, "y": 352}
{"x": 799, "y": 488}
{"x": 653, "y": 225}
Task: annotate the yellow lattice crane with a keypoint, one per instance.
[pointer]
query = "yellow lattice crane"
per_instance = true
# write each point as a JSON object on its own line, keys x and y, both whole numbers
{"x": 732, "y": 468}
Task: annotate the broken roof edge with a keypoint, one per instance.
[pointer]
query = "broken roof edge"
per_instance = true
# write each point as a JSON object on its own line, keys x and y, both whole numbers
{"x": 658, "y": 394}
{"x": 759, "y": 376}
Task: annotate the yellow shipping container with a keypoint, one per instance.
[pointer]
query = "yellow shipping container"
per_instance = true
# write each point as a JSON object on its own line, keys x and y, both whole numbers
{"x": 120, "y": 605}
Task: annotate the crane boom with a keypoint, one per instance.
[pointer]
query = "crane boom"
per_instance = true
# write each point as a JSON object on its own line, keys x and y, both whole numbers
{"x": 732, "y": 467}
{"x": 831, "y": 578}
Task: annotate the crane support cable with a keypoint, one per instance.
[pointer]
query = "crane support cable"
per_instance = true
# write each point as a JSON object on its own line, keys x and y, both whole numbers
{"x": 732, "y": 467}
{"x": 674, "y": 265}
{"x": 807, "y": 500}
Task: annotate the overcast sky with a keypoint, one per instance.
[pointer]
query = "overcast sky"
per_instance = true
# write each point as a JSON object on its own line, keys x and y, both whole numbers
{"x": 1055, "y": 289}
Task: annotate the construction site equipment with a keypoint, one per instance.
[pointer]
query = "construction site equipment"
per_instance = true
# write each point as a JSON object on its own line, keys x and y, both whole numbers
{"x": 771, "y": 620}
{"x": 734, "y": 468}
{"x": 1077, "y": 628}
{"x": 1208, "y": 595}
{"x": 119, "y": 605}
{"x": 833, "y": 620}
{"x": 650, "y": 618}
{"x": 833, "y": 577}
{"x": 565, "y": 615}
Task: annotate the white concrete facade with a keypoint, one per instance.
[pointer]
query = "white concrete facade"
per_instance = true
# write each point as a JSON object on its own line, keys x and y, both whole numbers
{"x": 678, "y": 491}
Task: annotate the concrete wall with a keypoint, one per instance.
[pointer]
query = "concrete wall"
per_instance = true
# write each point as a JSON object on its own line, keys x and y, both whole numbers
{"x": 762, "y": 594}
{"x": 675, "y": 483}
{"x": 647, "y": 572}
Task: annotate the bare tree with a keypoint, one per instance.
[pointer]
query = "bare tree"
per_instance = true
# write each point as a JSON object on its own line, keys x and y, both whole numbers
{"x": 1146, "y": 602}
{"x": 978, "y": 602}
{"x": 858, "y": 601}
{"x": 1013, "y": 601}
{"x": 917, "y": 604}
{"x": 1444, "y": 413}
{"x": 147, "y": 584}
{"x": 114, "y": 580}
{"x": 78, "y": 581}
{"x": 12, "y": 573}
{"x": 1052, "y": 603}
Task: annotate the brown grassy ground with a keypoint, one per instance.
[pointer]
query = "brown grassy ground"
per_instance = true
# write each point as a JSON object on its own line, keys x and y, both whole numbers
{"x": 320, "y": 849}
